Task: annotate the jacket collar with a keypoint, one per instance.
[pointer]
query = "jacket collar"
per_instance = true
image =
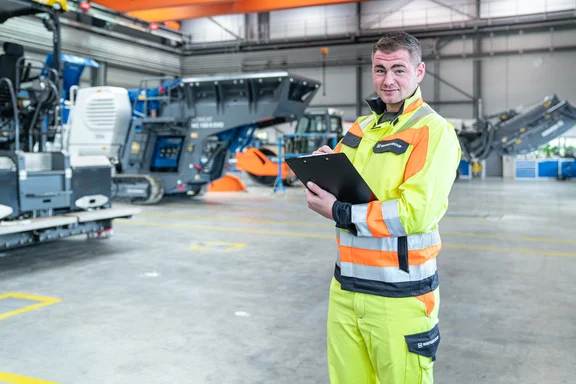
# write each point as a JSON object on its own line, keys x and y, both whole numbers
{"x": 378, "y": 107}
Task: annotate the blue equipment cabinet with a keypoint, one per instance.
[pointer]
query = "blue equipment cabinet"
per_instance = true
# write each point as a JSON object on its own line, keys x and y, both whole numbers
{"x": 166, "y": 154}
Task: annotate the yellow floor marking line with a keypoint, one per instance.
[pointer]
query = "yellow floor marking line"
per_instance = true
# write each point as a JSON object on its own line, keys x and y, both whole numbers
{"x": 241, "y": 220}
{"x": 222, "y": 229}
{"x": 509, "y": 250}
{"x": 260, "y": 221}
{"x": 308, "y": 235}
{"x": 318, "y": 225}
{"x": 232, "y": 207}
{"x": 451, "y": 218}
{"x": 42, "y": 302}
{"x": 527, "y": 206}
{"x": 16, "y": 379}
{"x": 244, "y": 208}
{"x": 217, "y": 246}
{"x": 520, "y": 238}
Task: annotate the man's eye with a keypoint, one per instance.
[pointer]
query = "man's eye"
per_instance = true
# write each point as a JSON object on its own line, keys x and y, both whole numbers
{"x": 399, "y": 72}
{"x": 379, "y": 71}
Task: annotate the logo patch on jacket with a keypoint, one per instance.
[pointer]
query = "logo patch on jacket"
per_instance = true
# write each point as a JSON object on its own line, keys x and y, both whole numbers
{"x": 396, "y": 146}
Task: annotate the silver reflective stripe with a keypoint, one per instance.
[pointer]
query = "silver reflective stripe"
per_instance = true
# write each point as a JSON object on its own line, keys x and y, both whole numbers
{"x": 359, "y": 214}
{"x": 365, "y": 122}
{"x": 390, "y": 215}
{"x": 420, "y": 113}
{"x": 415, "y": 242}
{"x": 338, "y": 257}
{"x": 389, "y": 274}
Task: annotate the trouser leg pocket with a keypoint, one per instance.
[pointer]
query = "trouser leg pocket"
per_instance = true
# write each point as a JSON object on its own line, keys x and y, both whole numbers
{"x": 424, "y": 345}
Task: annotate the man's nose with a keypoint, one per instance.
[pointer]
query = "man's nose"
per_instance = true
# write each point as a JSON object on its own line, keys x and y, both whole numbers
{"x": 389, "y": 78}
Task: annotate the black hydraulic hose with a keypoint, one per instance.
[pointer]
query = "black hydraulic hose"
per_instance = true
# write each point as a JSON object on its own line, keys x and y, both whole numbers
{"x": 14, "y": 110}
{"x": 464, "y": 147}
{"x": 31, "y": 129}
{"x": 56, "y": 39}
{"x": 488, "y": 144}
{"x": 487, "y": 137}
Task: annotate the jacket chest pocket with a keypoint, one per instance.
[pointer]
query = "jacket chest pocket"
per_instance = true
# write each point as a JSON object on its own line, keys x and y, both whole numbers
{"x": 395, "y": 146}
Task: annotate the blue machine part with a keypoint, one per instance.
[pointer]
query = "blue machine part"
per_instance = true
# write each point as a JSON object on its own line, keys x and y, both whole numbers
{"x": 548, "y": 168}
{"x": 464, "y": 168}
{"x": 73, "y": 68}
{"x": 167, "y": 153}
{"x": 138, "y": 100}
{"x": 240, "y": 137}
{"x": 568, "y": 169}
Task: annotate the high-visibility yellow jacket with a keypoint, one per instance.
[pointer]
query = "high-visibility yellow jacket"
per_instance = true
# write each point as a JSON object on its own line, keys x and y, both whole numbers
{"x": 410, "y": 164}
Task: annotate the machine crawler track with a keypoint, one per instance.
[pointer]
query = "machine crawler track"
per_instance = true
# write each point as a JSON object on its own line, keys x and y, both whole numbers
{"x": 137, "y": 189}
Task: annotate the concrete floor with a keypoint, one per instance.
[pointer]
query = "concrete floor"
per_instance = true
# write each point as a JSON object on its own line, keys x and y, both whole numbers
{"x": 161, "y": 303}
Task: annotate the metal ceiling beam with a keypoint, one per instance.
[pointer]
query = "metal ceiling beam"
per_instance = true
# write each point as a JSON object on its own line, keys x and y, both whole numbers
{"x": 225, "y": 29}
{"x": 119, "y": 36}
{"x": 452, "y": 8}
{"x": 101, "y": 13}
{"x": 365, "y": 61}
{"x": 449, "y": 84}
{"x": 396, "y": 8}
{"x": 483, "y": 27}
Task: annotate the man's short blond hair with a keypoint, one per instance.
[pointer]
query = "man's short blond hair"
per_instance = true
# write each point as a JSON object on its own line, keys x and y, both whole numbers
{"x": 395, "y": 41}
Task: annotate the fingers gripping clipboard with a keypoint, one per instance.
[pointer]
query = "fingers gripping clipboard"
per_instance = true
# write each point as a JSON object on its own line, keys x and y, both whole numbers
{"x": 335, "y": 174}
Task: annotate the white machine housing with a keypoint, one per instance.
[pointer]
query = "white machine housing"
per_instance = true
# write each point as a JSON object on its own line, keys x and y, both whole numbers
{"x": 99, "y": 121}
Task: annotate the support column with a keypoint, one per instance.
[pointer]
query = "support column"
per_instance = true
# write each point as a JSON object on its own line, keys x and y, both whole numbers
{"x": 359, "y": 96}
{"x": 247, "y": 28}
{"x": 98, "y": 75}
{"x": 477, "y": 79}
{"x": 358, "y": 19}
{"x": 477, "y": 69}
{"x": 436, "y": 81}
{"x": 264, "y": 27}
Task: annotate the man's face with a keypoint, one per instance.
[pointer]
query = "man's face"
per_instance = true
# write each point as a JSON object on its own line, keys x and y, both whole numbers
{"x": 395, "y": 77}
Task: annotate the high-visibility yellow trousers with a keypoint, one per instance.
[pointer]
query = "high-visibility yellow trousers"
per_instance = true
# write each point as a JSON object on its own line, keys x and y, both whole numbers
{"x": 375, "y": 339}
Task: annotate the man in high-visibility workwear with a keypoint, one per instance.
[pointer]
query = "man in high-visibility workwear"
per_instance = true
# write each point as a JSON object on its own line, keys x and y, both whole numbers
{"x": 384, "y": 298}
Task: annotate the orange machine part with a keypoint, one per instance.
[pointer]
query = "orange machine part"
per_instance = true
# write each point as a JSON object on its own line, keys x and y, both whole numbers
{"x": 255, "y": 162}
{"x": 228, "y": 183}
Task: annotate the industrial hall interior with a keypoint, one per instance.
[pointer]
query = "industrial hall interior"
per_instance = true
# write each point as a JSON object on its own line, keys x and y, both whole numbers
{"x": 287, "y": 191}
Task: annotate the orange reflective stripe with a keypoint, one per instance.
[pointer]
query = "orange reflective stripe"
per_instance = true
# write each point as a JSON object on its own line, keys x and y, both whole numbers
{"x": 356, "y": 130}
{"x": 413, "y": 106}
{"x": 409, "y": 135}
{"x": 429, "y": 301}
{"x": 338, "y": 147}
{"x": 420, "y": 256}
{"x": 368, "y": 257}
{"x": 375, "y": 220}
{"x": 418, "y": 156}
{"x": 418, "y": 138}
{"x": 374, "y": 258}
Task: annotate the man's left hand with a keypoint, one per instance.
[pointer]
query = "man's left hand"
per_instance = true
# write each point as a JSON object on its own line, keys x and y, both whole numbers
{"x": 319, "y": 200}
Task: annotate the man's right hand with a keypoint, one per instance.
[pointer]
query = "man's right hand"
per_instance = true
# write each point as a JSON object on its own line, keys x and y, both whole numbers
{"x": 323, "y": 150}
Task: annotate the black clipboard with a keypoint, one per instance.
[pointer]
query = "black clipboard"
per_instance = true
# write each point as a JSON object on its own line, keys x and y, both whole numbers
{"x": 334, "y": 173}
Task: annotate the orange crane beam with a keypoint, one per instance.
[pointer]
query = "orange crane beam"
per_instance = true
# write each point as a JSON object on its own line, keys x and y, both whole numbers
{"x": 142, "y": 5}
{"x": 158, "y": 11}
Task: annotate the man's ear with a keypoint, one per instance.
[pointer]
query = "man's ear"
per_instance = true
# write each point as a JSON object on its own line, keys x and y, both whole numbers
{"x": 420, "y": 71}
